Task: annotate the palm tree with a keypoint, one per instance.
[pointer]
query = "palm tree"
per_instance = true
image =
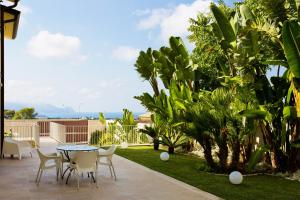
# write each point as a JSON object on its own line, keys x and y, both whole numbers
{"x": 147, "y": 68}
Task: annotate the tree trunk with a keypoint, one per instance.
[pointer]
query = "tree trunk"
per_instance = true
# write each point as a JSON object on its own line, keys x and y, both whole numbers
{"x": 171, "y": 150}
{"x": 223, "y": 152}
{"x": 154, "y": 85}
{"x": 236, "y": 149}
{"x": 207, "y": 147}
{"x": 155, "y": 144}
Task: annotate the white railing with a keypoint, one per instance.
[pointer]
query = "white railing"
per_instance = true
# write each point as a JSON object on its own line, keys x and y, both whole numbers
{"x": 23, "y": 132}
{"x": 116, "y": 134}
{"x": 97, "y": 134}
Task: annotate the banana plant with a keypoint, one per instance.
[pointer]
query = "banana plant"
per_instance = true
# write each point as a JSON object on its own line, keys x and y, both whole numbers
{"x": 291, "y": 42}
{"x": 102, "y": 118}
{"x": 174, "y": 63}
{"x": 147, "y": 68}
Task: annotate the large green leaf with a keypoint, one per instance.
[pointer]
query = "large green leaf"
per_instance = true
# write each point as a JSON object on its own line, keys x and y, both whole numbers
{"x": 254, "y": 114}
{"x": 217, "y": 31}
{"x": 246, "y": 13}
{"x": 102, "y": 118}
{"x": 291, "y": 42}
{"x": 289, "y": 112}
{"x": 289, "y": 95}
{"x": 295, "y": 5}
{"x": 276, "y": 63}
{"x": 255, "y": 157}
{"x": 223, "y": 23}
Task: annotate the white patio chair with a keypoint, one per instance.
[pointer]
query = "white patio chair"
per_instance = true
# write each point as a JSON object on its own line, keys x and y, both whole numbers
{"x": 15, "y": 147}
{"x": 45, "y": 163}
{"x": 107, "y": 156}
{"x": 84, "y": 162}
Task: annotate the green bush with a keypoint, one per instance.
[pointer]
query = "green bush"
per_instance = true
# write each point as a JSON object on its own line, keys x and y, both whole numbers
{"x": 95, "y": 137}
{"x": 204, "y": 167}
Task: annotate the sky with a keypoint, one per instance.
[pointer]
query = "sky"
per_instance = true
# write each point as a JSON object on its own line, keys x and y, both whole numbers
{"x": 81, "y": 54}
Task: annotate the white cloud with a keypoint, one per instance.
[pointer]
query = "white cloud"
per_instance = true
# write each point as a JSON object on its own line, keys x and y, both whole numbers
{"x": 24, "y": 9}
{"x": 125, "y": 53}
{"x": 55, "y": 45}
{"x": 97, "y": 90}
{"x": 154, "y": 18}
{"x": 141, "y": 12}
{"x": 27, "y": 91}
{"x": 174, "y": 21}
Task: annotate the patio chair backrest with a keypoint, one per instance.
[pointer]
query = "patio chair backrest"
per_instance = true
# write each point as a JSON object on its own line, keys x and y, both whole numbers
{"x": 41, "y": 155}
{"x": 111, "y": 150}
{"x": 85, "y": 161}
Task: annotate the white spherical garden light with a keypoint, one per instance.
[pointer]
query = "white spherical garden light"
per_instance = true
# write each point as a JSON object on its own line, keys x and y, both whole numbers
{"x": 235, "y": 177}
{"x": 164, "y": 156}
{"x": 124, "y": 145}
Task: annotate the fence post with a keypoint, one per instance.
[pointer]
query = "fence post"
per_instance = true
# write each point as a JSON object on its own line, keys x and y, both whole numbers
{"x": 36, "y": 135}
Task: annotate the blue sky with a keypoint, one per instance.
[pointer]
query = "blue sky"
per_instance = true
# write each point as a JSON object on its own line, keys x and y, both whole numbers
{"x": 82, "y": 54}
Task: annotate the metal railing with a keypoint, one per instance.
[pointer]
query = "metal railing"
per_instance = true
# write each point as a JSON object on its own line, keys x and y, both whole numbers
{"x": 97, "y": 134}
{"x": 116, "y": 134}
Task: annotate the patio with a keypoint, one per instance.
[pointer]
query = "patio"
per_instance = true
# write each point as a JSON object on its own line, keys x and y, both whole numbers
{"x": 133, "y": 182}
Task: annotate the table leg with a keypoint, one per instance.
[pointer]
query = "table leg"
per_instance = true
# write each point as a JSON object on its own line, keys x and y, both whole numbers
{"x": 67, "y": 155}
{"x": 92, "y": 175}
{"x": 65, "y": 172}
{"x": 69, "y": 176}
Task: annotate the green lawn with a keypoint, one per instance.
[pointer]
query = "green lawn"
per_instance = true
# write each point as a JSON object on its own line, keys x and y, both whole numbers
{"x": 185, "y": 168}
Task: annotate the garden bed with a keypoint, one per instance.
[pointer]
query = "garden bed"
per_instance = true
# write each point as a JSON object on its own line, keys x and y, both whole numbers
{"x": 186, "y": 168}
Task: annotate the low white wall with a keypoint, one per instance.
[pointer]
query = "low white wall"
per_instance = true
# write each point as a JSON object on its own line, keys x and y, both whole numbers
{"x": 58, "y": 132}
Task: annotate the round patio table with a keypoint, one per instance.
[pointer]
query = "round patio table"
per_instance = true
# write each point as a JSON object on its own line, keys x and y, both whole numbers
{"x": 68, "y": 148}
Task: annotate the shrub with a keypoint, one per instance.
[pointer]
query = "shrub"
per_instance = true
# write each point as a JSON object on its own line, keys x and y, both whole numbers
{"x": 95, "y": 137}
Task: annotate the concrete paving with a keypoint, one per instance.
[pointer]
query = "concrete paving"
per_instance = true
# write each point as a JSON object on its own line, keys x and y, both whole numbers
{"x": 134, "y": 182}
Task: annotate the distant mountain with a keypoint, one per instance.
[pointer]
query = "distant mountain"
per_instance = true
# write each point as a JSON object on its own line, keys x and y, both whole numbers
{"x": 43, "y": 110}
{"x": 51, "y": 111}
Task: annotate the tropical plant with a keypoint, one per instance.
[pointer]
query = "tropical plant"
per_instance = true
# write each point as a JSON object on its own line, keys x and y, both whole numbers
{"x": 147, "y": 68}
{"x": 102, "y": 118}
{"x": 95, "y": 137}
{"x": 155, "y": 130}
{"x": 9, "y": 114}
{"x": 222, "y": 96}
{"x": 25, "y": 113}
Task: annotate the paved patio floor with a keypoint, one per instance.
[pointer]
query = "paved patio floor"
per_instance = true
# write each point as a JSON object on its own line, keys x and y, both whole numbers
{"x": 134, "y": 182}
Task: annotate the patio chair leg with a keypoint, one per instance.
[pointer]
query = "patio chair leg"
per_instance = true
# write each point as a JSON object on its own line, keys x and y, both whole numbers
{"x": 96, "y": 178}
{"x": 57, "y": 174}
{"x": 31, "y": 154}
{"x": 62, "y": 169}
{"x": 40, "y": 177}
{"x": 110, "y": 171}
{"x": 113, "y": 169}
{"x": 37, "y": 175}
{"x": 78, "y": 181}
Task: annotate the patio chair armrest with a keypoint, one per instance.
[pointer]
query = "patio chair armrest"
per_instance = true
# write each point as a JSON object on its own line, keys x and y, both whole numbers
{"x": 52, "y": 154}
{"x": 24, "y": 144}
{"x": 54, "y": 157}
